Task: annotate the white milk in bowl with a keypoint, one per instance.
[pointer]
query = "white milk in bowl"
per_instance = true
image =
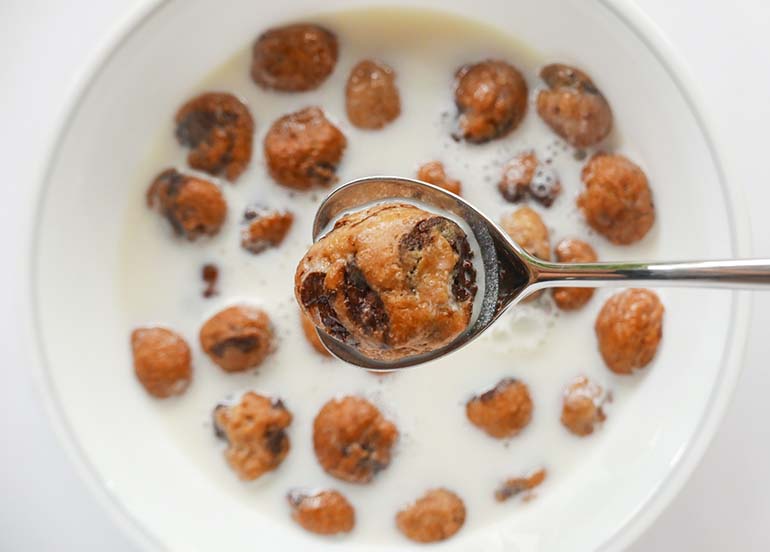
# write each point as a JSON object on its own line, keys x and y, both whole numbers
{"x": 438, "y": 446}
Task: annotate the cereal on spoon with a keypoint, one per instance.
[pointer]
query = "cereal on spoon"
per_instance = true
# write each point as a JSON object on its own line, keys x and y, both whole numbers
{"x": 392, "y": 280}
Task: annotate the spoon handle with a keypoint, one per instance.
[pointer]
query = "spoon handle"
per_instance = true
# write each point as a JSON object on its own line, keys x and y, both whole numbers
{"x": 732, "y": 274}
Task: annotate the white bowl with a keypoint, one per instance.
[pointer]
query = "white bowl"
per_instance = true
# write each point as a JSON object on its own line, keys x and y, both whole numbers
{"x": 161, "y": 496}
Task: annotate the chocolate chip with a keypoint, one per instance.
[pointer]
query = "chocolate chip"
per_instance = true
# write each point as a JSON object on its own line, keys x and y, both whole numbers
{"x": 275, "y": 438}
{"x": 313, "y": 290}
{"x": 366, "y": 450}
{"x": 364, "y": 305}
{"x": 420, "y": 236}
{"x": 244, "y": 343}
{"x": 411, "y": 245}
{"x": 464, "y": 286}
{"x": 195, "y": 127}
{"x": 315, "y": 294}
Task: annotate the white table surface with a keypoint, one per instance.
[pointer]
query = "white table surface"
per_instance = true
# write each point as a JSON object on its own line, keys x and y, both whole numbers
{"x": 44, "y": 505}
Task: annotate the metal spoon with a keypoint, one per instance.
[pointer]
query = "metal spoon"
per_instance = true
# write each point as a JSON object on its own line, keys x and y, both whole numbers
{"x": 510, "y": 272}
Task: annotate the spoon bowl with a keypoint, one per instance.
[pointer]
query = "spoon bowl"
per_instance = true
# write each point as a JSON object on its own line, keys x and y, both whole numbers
{"x": 510, "y": 273}
{"x": 505, "y": 263}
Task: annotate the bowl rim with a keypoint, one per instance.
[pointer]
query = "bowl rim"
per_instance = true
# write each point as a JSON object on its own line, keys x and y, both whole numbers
{"x": 636, "y": 21}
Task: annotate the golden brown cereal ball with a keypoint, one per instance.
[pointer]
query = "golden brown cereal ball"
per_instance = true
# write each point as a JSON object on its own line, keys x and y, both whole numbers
{"x": 372, "y": 99}
{"x": 237, "y": 338}
{"x": 582, "y": 409}
{"x": 255, "y": 430}
{"x": 219, "y": 129}
{"x": 491, "y": 98}
{"x": 194, "y": 207}
{"x": 503, "y": 411}
{"x": 303, "y": 149}
{"x": 392, "y": 281}
{"x": 573, "y": 106}
{"x": 617, "y": 201}
{"x": 573, "y": 251}
{"x": 524, "y": 176}
{"x": 325, "y": 512}
{"x": 264, "y": 228}
{"x": 434, "y": 517}
{"x": 629, "y": 328}
{"x": 294, "y": 58}
{"x": 352, "y": 439}
{"x": 434, "y": 173}
{"x": 161, "y": 361}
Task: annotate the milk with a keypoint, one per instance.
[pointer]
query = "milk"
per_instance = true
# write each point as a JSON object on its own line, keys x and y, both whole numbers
{"x": 438, "y": 446}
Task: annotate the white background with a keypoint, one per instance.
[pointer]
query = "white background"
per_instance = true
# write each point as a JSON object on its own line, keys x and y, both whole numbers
{"x": 43, "y": 45}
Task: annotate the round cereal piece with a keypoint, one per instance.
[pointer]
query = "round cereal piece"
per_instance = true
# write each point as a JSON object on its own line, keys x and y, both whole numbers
{"x": 312, "y": 335}
{"x": 219, "y": 129}
{"x": 161, "y": 361}
{"x": 524, "y": 176}
{"x": 352, "y": 439}
{"x": 582, "y": 408}
{"x": 392, "y": 281}
{"x": 491, "y": 98}
{"x": 617, "y": 201}
{"x": 237, "y": 338}
{"x": 371, "y": 96}
{"x": 527, "y": 229}
{"x": 303, "y": 149}
{"x": 573, "y": 106}
{"x": 629, "y": 328}
{"x": 264, "y": 228}
{"x": 435, "y": 516}
{"x": 255, "y": 431}
{"x": 573, "y": 251}
{"x": 433, "y": 173}
{"x": 503, "y": 411}
{"x": 325, "y": 512}
{"x": 294, "y": 58}
{"x": 194, "y": 207}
